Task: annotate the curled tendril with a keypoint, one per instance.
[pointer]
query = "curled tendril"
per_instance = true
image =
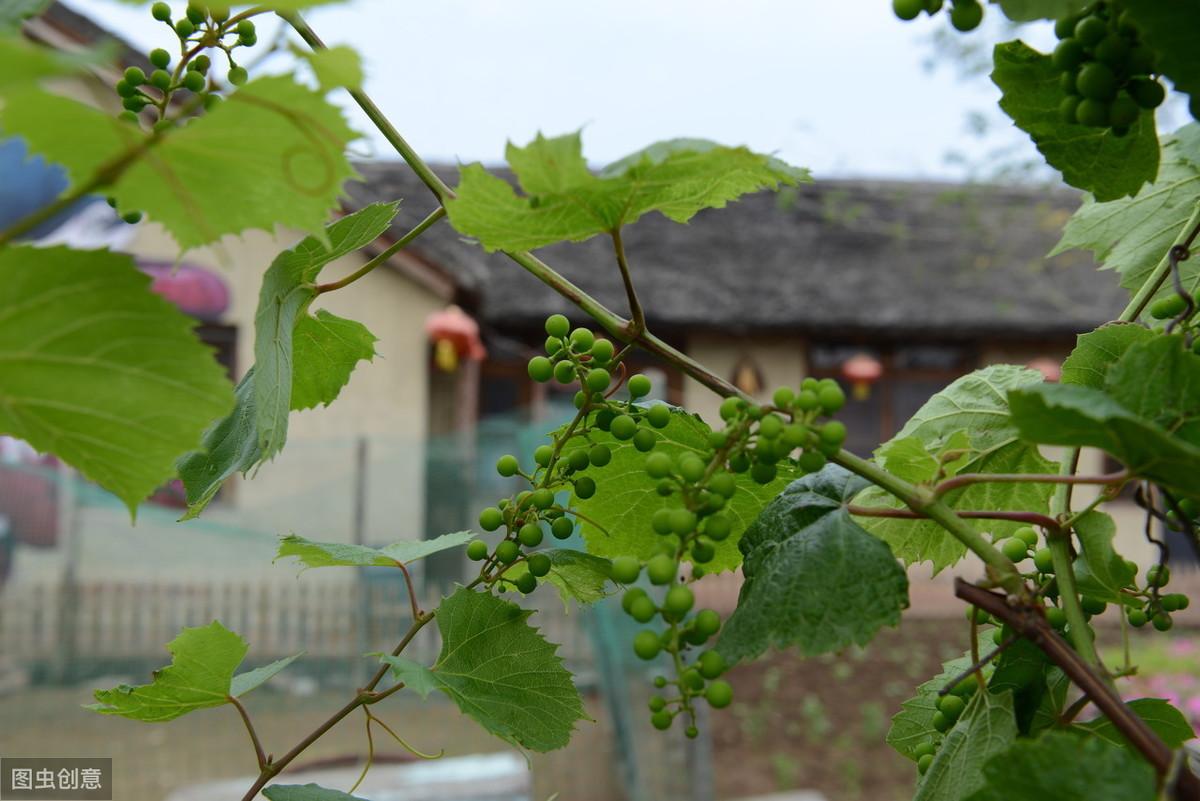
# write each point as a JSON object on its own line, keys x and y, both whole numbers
{"x": 1144, "y": 497}
{"x": 1180, "y": 253}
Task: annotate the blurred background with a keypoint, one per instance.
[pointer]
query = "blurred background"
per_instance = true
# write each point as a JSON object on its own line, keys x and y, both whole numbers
{"x": 906, "y": 264}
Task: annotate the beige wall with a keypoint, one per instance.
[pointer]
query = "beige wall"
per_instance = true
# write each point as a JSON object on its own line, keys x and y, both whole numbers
{"x": 781, "y": 362}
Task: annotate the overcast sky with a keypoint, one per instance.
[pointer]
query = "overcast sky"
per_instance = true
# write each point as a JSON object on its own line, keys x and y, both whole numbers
{"x": 839, "y": 87}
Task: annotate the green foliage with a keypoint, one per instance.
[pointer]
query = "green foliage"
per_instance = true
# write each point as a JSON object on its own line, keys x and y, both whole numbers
{"x": 1131, "y": 235}
{"x": 986, "y": 728}
{"x": 1093, "y": 159}
{"x": 565, "y": 201}
{"x": 1167, "y": 28}
{"x": 201, "y": 675}
{"x": 1165, "y": 720}
{"x": 913, "y": 724}
{"x": 1159, "y": 379}
{"x": 814, "y": 579}
{"x": 1100, "y": 571}
{"x": 1027, "y": 10}
{"x": 100, "y": 371}
{"x": 337, "y": 67}
{"x": 972, "y": 407}
{"x": 1096, "y": 351}
{"x": 279, "y": 382}
{"x": 502, "y": 672}
{"x": 578, "y": 576}
{"x": 306, "y": 792}
{"x": 1061, "y": 766}
{"x": 288, "y": 174}
{"x": 22, "y": 63}
{"x": 615, "y": 522}
{"x": 341, "y": 554}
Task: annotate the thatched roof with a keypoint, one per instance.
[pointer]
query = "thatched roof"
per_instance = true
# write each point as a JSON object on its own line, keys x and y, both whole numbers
{"x": 847, "y": 257}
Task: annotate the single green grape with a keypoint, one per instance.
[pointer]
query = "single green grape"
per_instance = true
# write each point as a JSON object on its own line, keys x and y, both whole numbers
{"x": 691, "y": 467}
{"x": 562, "y": 528}
{"x": 508, "y": 551}
{"x": 662, "y": 720}
{"x": 660, "y": 521}
{"x": 602, "y": 351}
{"x": 491, "y": 518}
{"x": 771, "y": 426}
{"x": 600, "y": 455}
{"x": 1043, "y": 560}
{"x": 710, "y": 664}
{"x": 731, "y": 407}
{"x": 1027, "y": 535}
{"x": 530, "y": 535}
{"x": 833, "y": 433}
{"x": 643, "y": 609}
{"x": 658, "y": 465}
{"x": 161, "y": 12}
{"x": 582, "y": 340}
{"x": 597, "y": 379}
{"x": 246, "y": 28}
{"x": 1067, "y": 55}
{"x": 639, "y": 386}
{"x": 626, "y": 569}
{"x": 923, "y": 749}
{"x": 238, "y": 75}
{"x": 644, "y": 440}
{"x": 1137, "y": 618}
{"x": 132, "y": 218}
{"x": 539, "y": 564}
{"x": 543, "y": 498}
{"x": 564, "y": 372}
{"x": 557, "y": 325}
{"x": 195, "y": 14}
{"x": 707, "y": 622}
{"x": 135, "y": 103}
{"x": 540, "y": 369}
{"x": 646, "y": 644}
{"x": 543, "y": 454}
{"x": 508, "y": 466}
{"x": 657, "y": 703}
{"x": 134, "y": 76}
{"x": 783, "y": 397}
{"x": 1158, "y": 576}
{"x": 578, "y": 460}
{"x": 723, "y": 484}
{"x": 908, "y": 9}
{"x": 1123, "y": 111}
{"x": 160, "y": 79}
{"x": 923, "y": 763}
{"x": 679, "y": 600}
{"x": 1162, "y": 621}
{"x": 718, "y": 527}
{"x": 659, "y": 415}
{"x": 703, "y": 551}
{"x": 194, "y": 82}
{"x": 184, "y": 27}
{"x": 764, "y": 473}
{"x": 965, "y": 15}
{"x": 1147, "y": 92}
{"x": 1056, "y": 617}
{"x": 585, "y": 487}
{"x": 623, "y": 427}
{"x": 941, "y": 721}
{"x": 692, "y": 679}
{"x": 1096, "y": 81}
{"x": 683, "y": 521}
{"x": 661, "y": 569}
{"x": 951, "y": 706}
{"x": 1090, "y": 30}
{"x": 811, "y": 461}
{"x": 719, "y": 694}
{"x": 1093, "y": 606}
{"x": 630, "y": 597}
{"x": 691, "y": 732}
{"x": 1014, "y": 548}
{"x": 526, "y": 583}
{"x": 477, "y": 550}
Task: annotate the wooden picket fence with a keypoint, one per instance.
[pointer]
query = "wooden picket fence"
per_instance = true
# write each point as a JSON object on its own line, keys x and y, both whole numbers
{"x": 101, "y": 623}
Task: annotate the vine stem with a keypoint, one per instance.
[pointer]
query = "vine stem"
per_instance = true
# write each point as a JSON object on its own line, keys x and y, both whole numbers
{"x": 387, "y": 253}
{"x": 637, "y": 324}
{"x": 1032, "y": 518}
{"x": 964, "y": 479}
{"x": 258, "y": 749}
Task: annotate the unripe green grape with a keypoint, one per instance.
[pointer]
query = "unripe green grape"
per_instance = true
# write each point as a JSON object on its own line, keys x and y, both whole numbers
{"x": 580, "y": 399}
{"x": 194, "y": 82}
{"x": 246, "y": 28}
{"x": 723, "y": 484}
{"x": 540, "y": 369}
{"x": 764, "y": 473}
{"x": 923, "y": 749}
{"x": 965, "y": 15}
{"x": 831, "y": 397}
{"x": 658, "y": 465}
{"x": 1162, "y": 621}
{"x": 644, "y": 440}
{"x": 562, "y": 528}
{"x": 132, "y": 218}
{"x": 1067, "y": 83}
{"x": 833, "y": 433}
{"x": 238, "y": 75}
{"x": 1090, "y": 30}
{"x": 1064, "y": 27}
{"x": 564, "y": 372}
{"x": 582, "y": 339}
{"x": 128, "y": 116}
{"x": 1068, "y": 55}
{"x": 184, "y": 28}
{"x": 923, "y": 763}
{"x": 646, "y": 644}
{"x": 811, "y": 461}
{"x": 125, "y": 88}
{"x": 631, "y": 595}
{"x": 539, "y": 564}
{"x": 248, "y": 41}
{"x": 770, "y": 426}
{"x": 739, "y": 463}
{"x": 659, "y": 415}
{"x": 134, "y": 76}
{"x": 1043, "y": 560}
{"x": 908, "y": 9}
{"x": 1158, "y": 576}
{"x": 491, "y": 519}
{"x": 600, "y": 455}
{"x": 1113, "y": 50}
{"x": 1123, "y": 111}
{"x": 703, "y": 551}
{"x": 643, "y": 609}
{"x": 977, "y": 615}
{"x": 1096, "y": 81}
{"x": 526, "y": 583}
{"x": 951, "y": 706}
{"x": 508, "y": 551}
{"x": 707, "y": 622}
{"x": 602, "y": 351}
{"x": 1137, "y": 618}
{"x": 623, "y": 427}
{"x": 639, "y": 386}
{"x": 661, "y": 569}
{"x": 692, "y": 679}
{"x": 552, "y": 345}
{"x": 1026, "y": 534}
{"x": 710, "y": 664}
{"x": 662, "y": 720}
{"x": 626, "y": 569}
{"x": 578, "y": 460}
{"x": 691, "y": 732}
{"x": 1093, "y": 606}
{"x": 660, "y": 521}
{"x": 679, "y": 600}
{"x": 195, "y": 14}
{"x": 530, "y": 535}
{"x": 597, "y": 379}
{"x": 211, "y": 101}
{"x": 998, "y": 637}
{"x": 657, "y": 703}
{"x": 200, "y": 64}
{"x": 1168, "y": 307}
{"x": 730, "y": 408}
{"x": 159, "y": 58}
{"x": 941, "y": 721}
{"x": 783, "y": 397}
{"x": 585, "y": 487}
{"x": 691, "y": 467}
{"x": 1178, "y": 601}
{"x": 160, "y": 79}
{"x": 543, "y": 498}
{"x": 507, "y": 465}
{"x": 718, "y": 527}
{"x": 1056, "y": 617}
{"x": 665, "y": 488}
{"x": 683, "y": 521}
{"x": 161, "y": 12}
{"x": 933, "y": 6}
{"x": 135, "y": 103}
{"x": 477, "y": 550}
{"x": 719, "y": 694}
{"x": 660, "y": 681}
{"x": 543, "y": 454}
{"x": 1093, "y": 113}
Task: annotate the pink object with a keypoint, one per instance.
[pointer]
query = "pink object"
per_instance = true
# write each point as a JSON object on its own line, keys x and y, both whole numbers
{"x": 862, "y": 370}
{"x": 1050, "y": 369}
{"x": 195, "y": 290}
{"x": 454, "y": 328}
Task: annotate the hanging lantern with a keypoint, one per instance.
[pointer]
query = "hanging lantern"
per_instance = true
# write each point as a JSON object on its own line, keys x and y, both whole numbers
{"x": 1050, "y": 369}
{"x": 747, "y": 376}
{"x": 861, "y": 370}
{"x": 455, "y": 336}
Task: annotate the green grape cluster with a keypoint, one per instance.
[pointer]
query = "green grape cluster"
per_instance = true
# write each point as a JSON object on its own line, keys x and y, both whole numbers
{"x": 1148, "y": 604}
{"x": 201, "y": 27}
{"x": 965, "y": 15}
{"x": 948, "y": 709}
{"x": 1107, "y": 73}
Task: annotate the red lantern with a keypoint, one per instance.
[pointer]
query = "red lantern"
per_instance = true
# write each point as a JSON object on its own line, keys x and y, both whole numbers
{"x": 455, "y": 336}
{"x": 862, "y": 370}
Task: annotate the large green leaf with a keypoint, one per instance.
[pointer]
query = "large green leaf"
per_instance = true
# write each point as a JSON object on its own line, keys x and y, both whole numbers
{"x": 1166, "y": 721}
{"x": 1100, "y": 571}
{"x": 1057, "y": 414}
{"x": 913, "y": 724}
{"x": 578, "y": 576}
{"x": 100, "y": 371}
{"x": 22, "y": 63}
{"x": 502, "y": 672}
{"x": 271, "y": 155}
{"x": 565, "y": 201}
{"x": 306, "y": 792}
{"x": 327, "y": 348}
{"x": 1092, "y": 159}
{"x": 974, "y": 404}
{"x": 1159, "y": 379}
{"x": 1062, "y": 766}
{"x": 1131, "y": 235}
{"x": 616, "y": 520}
{"x": 814, "y": 579}
{"x": 986, "y": 728}
{"x": 1028, "y": 10}
{"x": 1169, "y": 28}
{"x": 336, "y": 67}
{"x": 230, "y": 446}
{"x": 1096, "y": 351}
{"x": 344, "y": 554}
{"x": 201, "y": 675}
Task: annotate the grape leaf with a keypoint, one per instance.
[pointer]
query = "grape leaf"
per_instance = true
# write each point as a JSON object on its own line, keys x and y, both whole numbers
{"x": 1099, "y": 571}
{"x": 327, "y": 348}
{"x": 230, "y": 445}
{"x": 1023, "y": 669}
{"x": 1131, "y": 235}
{"x": 208, "y": 178}
{"x": 974, "y": 403}
{"x": 1096, "y": 351}
{"x": 908, "y": 458}
{"x": 287, "y": 290}
{"x": 913, "y": 724}
{"x": 1168, "y": 29}
{"x": 1057, "y": 414}
{"x": 1089, "y": 158}
{"x": 201, "y": 675}
{"x": 1061, "y": 766}
{"x": 343, "y": 554}
{"x": 1028, "y": 10}
{"x": 578, "y": 576}
{"x": 100, "y": 371}
{"x": 565, "y": 201}
{"x": 502, "y": 672}
{"x": 987, "y": 727}
{"x": 1167, "y": 722}
{"x": 814, "y": 579}
{"x": 1159, "y": 380}
{"x": 415, "y": 676}
{"x": 306, "y": 792}
{"x": 335, "y": 67}
{"x": 616, "y": 519}
{"x": 22, "y": 63}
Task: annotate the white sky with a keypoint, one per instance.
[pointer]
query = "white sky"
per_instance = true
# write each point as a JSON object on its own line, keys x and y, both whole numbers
{"x": 838, "y": 87}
